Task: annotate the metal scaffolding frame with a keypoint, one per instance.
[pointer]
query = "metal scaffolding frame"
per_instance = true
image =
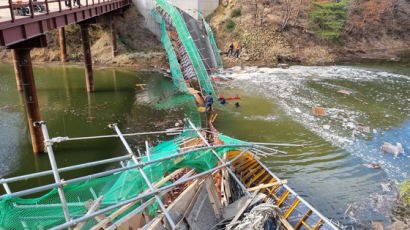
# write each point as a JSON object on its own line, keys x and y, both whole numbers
{"x": 138, "y": 164}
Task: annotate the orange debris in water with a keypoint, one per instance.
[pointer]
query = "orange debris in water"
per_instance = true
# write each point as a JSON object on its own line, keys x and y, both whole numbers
{"x": 318, "y": 111}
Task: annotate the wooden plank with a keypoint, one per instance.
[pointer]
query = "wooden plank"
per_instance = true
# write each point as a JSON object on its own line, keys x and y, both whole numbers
{"x": 303, "y": 219}
{"x": 239, "y": 214}
{"x": 180, "y": 204}
{"x": 103, "y": 223}
{"x": 282, "y": 198}
{"x": 213, "y": 197}
{"x": 94, "y": 207}
{"x": 251, "y": 172}
{"x": 291, "y": 208}
{"x": 318, "y": 224}
{"x": 262, "y": 186}
{"x": 254, "y": 178}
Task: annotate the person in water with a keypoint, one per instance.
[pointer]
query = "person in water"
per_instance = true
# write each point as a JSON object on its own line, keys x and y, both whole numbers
{"x": 221, "y": 99}
{"x": 209, "y": 100}
{"x": 237, "y": 104}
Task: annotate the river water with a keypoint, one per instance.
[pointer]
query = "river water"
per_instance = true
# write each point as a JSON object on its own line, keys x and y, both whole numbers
{"x": 276, "y": 106}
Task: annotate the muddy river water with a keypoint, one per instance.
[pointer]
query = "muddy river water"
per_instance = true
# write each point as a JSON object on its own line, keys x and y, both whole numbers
{"x": 330, "y": 171}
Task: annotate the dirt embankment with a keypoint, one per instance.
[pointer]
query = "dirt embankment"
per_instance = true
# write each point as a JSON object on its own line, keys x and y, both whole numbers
{"x": 137, "y": 47}
{"x": 374, "y": 29}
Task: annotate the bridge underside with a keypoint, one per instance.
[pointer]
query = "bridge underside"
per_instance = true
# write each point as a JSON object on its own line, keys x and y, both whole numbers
{"x": 26, "y": 28}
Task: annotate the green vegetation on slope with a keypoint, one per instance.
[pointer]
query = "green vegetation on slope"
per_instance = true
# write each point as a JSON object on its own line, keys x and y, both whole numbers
{"x": 326, "y": 19}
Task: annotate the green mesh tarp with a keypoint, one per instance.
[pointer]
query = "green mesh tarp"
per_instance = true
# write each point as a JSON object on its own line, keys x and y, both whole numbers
{"x": 189, "y": 45}
{"x": 46, "y": 211}
{"x": 176, "y": 73}
{"x": 212, "y": 39}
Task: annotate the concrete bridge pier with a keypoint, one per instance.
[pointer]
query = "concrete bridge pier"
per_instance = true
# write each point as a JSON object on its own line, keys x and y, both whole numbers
{"x": 24, "y": 71}
{"x": 63, "y": 47}
{"x": 87, "y": 57}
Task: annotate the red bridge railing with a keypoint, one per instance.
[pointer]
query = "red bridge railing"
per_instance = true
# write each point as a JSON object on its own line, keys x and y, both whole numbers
{"x": 18, "y": 9}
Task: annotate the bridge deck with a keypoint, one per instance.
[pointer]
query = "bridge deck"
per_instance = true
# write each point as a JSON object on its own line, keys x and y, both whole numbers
{"x": 22, "y": 20}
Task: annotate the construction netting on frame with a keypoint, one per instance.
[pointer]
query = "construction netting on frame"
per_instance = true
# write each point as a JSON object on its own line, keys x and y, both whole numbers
{"x": 46, "y": 211}
{"x": 189, "y": 45}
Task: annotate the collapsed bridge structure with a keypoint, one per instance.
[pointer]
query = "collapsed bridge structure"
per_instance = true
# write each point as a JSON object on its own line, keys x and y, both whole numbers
{"x": 200, "y": 179}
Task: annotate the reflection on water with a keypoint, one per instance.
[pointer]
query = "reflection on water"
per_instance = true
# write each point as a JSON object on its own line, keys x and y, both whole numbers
{"x": 276, "y": 105}
{"x": 70, "y": 111}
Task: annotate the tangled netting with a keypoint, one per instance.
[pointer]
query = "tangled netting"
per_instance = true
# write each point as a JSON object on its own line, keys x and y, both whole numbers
{"x": 258, "y": 216}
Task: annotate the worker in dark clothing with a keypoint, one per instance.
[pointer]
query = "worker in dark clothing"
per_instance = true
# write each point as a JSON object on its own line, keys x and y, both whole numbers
{"x": 230, "y": 51}
{"x": 209, "y": 100}
{"x": 237, "y": 105}
{"x": 221, "y": 99}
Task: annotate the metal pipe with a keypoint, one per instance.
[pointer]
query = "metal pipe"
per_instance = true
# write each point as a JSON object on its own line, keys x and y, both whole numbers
{"x": 143, "y": 206}
{"x": 139, "y": 197}
{"x": 278, "y": 144}
{"x": 270, "y": 149}
{"x": 112, "y": 171}
{"x": 295, "y": 194}
{"x": 60, "y": 139}
{"x": 147, "y": 151}
{"x": 147, "y": 181}
{"x": 221, "y": 160}
{"x": 6, "y": 188}
{"x": 55, "y": 169}
{"x": 69, "y": 168}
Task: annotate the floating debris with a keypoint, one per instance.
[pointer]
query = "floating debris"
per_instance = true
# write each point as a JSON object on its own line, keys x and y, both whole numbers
{"x": 297, "y": 110}
{"x": 318, "y": 111}
{"x": 389, "y": 148}
{"x": 140, "y": 85}
{"x": 372, "y": 166}
{"x": 326, "y": 126}
{"x": 344, "y": 92}
{"x": 364, "y": 128}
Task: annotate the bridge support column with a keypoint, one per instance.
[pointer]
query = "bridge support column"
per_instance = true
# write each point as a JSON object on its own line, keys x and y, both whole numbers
{"x": 16, "y": 71}
{"x": 25, "y": 71}
{"x": 113, "y": 36}
{"x": 87, "y": 58}
{"x": 63, "y": 47}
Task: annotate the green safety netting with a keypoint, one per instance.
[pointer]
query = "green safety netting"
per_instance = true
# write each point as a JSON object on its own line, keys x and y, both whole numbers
{"x": 189, "y": 45}
{"x": 212, "y": 39}
{"x": 176, "y": 73}
{"x": 46, "y": 211}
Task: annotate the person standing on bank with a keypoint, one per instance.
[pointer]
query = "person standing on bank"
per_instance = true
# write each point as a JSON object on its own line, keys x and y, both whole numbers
{"x": 209, "y": 100}
{"x": 237, "y": 48}
{"x": 230, "y": 51}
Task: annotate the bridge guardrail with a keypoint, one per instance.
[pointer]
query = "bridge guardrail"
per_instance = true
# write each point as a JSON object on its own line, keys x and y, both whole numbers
{"x": 19, "y": 9}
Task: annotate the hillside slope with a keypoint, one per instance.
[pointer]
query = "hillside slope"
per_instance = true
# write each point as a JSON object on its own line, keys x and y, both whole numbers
{"x": 280, "y": 31}
{"x": 137, "y": 46}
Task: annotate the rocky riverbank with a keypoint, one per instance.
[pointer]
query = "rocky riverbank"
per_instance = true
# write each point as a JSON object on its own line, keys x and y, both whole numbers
{"x": 272, "y": 32}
